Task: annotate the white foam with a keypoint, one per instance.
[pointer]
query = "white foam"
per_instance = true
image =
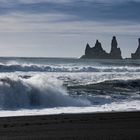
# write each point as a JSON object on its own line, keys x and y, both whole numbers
{"x": 13, "y": 66}
{"x": 113, "y": 107}
{"x": 37, "y": 91}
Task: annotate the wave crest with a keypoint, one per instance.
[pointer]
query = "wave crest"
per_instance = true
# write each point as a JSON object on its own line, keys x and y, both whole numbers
{"x": 53, "y": 68}
{"x": 35, "y": 92}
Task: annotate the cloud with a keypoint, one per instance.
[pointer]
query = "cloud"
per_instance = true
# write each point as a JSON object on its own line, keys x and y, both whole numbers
{"x": 70, "y": 16}
{"x": 49, "y": 23}
{"x": 65, "y": 1}
{"x": 88, "y": 10}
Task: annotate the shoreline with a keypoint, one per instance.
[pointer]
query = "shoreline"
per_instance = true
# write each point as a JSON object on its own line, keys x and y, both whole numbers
{"x": 87, "y": 126}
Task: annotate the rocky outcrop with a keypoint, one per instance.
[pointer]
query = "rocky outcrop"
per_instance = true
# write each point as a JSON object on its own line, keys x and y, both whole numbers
{"x": 97, "y": 52}
{"x": 115, "y": 52}
{"x": 136, "y": 55}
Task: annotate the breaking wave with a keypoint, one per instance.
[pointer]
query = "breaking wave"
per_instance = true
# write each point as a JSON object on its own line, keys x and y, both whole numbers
{"x": 35, "y": 92}
{"x": 63, "y": 68}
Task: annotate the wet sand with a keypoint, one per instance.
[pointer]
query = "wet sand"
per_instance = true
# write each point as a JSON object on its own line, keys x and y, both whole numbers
{"x": 94, "y": 126}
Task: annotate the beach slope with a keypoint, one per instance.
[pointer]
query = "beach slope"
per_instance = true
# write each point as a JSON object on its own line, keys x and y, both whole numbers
{"x": 92, "y": 126}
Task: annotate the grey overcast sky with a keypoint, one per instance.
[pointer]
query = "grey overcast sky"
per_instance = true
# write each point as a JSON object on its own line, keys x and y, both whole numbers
{"x": 61, "y": 28}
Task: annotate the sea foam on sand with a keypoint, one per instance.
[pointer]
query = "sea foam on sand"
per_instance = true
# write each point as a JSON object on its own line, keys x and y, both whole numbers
{"x": 113, "y": 107}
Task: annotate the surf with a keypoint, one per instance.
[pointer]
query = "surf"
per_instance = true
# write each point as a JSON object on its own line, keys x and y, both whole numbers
{"x": 35, "y": 92}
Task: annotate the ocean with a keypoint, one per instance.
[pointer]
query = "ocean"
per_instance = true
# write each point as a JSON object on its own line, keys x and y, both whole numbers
{"x": 36, "y": 86}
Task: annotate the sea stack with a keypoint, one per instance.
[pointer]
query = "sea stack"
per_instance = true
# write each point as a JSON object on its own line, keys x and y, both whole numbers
{"x": 115, "y": 52}
{"x": 136, "y": 55}
{"x": 96, "y": 52}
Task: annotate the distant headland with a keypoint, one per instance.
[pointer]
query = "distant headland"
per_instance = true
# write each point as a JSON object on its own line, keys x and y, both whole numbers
{"x": 97, "y": 52}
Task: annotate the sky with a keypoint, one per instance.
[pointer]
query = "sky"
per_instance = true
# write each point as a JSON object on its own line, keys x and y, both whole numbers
{"x": 62, "y": 28}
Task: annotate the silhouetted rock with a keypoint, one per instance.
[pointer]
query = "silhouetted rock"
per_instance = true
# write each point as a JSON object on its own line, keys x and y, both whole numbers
{"x": 136, "y": 55}
{"x": 88, "y": 50}
{"x": 115, "y": 52}
{"x": 97, "y": 52}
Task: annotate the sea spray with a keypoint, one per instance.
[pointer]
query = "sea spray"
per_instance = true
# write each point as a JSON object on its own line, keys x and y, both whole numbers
{"x": 38, "y": 91}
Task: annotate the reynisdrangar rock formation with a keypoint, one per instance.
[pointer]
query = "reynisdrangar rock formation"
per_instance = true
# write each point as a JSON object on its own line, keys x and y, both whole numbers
{"x": 136, "y": 55}
{"x": 97, "y": 52}
{"x": 115, "y": 52}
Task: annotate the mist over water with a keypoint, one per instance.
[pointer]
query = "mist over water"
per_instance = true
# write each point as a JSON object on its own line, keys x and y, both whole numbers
{"x": 68, "y": 85}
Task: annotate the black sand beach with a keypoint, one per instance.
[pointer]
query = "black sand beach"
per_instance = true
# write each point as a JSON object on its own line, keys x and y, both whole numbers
{"x": 95, "y": 126}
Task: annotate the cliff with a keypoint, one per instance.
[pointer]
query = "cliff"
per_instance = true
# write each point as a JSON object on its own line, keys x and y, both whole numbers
{"x": 136, "y": 55}
{"x": 97, "y": 52}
